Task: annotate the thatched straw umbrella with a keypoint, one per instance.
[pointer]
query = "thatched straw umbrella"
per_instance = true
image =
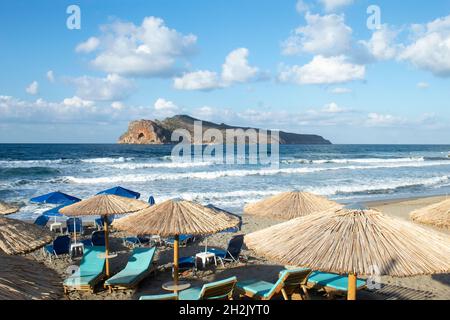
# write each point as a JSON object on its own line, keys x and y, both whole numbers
{"x": 290, "y": 205}
{"x": 104, "y": 205}
{"x": 352, "y": 241}
{"x": 25, "y": 279}
{"x": 6, "y": 208}
{"x": 176, "y": 217}
{"x": 18, "y": 237}
{"x": 437, "y": 215}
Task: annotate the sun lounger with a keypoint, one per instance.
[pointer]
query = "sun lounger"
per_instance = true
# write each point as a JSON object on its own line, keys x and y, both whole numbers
{"x": 332, "y": 283}
{"x": 136, "y": 241}
{"x": 140, "y": 264}
{"x": 74, "y": 225}
{"x": 90, "y": 272}
{"x": 219, "y": 290}
{"x": 60, "y": 245}
{"x": 183, "y": 240}
{"x": 160, "y": 297}
{"x": 233, "y": 251}
{"x": 289, "y": 282}
{"x": 41, "y": 221}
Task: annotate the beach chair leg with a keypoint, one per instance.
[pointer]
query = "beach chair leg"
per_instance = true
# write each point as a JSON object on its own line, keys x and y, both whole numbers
{"x": 285, "y": 296}
{"x": 305, "y": 292}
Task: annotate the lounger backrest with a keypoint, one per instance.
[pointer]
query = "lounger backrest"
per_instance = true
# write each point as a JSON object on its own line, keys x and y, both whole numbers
{"x": 295, "y": 278}
{"x": 93, "y": 260}
{"x": 141, "y": 259}
{"x": 61, "y": 245}
{"x": 218, "y": 290}
{"x": 41, "y": 221}
{"x": 74, "y": 224}
{"x": 235, "y": 246}
{"x": 289, "y": 279}
{"x": 98, "y": 238}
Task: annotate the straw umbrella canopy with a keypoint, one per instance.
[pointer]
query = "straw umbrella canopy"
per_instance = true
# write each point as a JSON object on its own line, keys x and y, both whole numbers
{"x": 290, "y": 205}
{"x": 176, "y": 217}
{"x": 25, "y": 279}
{"x": 6, "y": 208}
{"x": 437, "y": 215}
{"x": 353, "y": 241}
{"x": 104, "y": 205}
{"x": 18, "y": 237}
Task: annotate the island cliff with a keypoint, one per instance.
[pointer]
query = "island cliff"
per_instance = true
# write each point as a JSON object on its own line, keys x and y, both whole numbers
{"x": 160, "y": 132}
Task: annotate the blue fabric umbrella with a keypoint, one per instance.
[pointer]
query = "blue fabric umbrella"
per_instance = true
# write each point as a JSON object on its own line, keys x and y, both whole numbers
{"x": 151, "y": 200}
{"x": 55, "y": 198}
{"x": 119, "y": 191}
{"x": 54, "y": 212}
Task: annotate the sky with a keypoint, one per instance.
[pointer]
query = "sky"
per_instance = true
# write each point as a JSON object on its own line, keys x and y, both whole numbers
{"x": 353, "y": 71}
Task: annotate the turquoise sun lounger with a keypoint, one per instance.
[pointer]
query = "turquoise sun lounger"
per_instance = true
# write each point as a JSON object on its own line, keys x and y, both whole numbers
{"x": 160, "y": 297}
{"x": 90, "y": 272}
{"x": 140, "y": 264}
{"x": 219, "y": 290}
{"x": 332, "y": 282}
{"x": 289, "y": 282}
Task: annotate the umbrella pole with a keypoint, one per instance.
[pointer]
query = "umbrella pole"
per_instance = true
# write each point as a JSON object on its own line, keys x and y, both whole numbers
{"x": 351, "y": 294}
{"x": 175, "y": 261}
{"x": 75, "y": 231}
{"x": 106, "y": 245}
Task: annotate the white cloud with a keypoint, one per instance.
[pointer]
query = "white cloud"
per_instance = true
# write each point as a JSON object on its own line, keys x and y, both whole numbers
{"x": 333, "y": 108}
{"x": 340, "y": 90}
{"x": 33, "y": 88}
{"x": 117, "y": 105}
{"x": 301, "y": 6}
{"x": 326, "y": 35}
{"x": 236, "y": 69}
{"x": 112, "y": 87}
{"x": 165, "y": 108}
{"x": 382, "y": 44}
{"x": 149, "y": 49}
{"x": 322, "y": 70}
{"x": 430, "y": 49}
{"x": 423, "y": 85}
{"x": 198, "y": 80}
{"x": 50, "y": 76}
{"x": 331, "y": 5}
{"x": 77, "y": 102}
{"x": 89, "y": 45}
{"x": 383, "y": 120}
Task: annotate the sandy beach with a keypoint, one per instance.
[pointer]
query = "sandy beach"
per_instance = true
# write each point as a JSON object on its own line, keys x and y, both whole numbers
{"x": 253, "y": 266}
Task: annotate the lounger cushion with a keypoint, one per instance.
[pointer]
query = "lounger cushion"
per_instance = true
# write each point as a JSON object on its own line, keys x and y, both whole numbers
{"x": 168, "y": 296}
{"x": 138, "y": 264}
{"x": 91, "y": 268}
{"x": 333, "y": 281}
{"x": 256, "y": 287}
{"x": 190, "y": 294}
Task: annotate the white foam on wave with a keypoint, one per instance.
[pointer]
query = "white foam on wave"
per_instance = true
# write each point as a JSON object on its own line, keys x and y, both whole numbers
{"x": 209, "y": 175}
{"x": 106, "y": 160}
{"x": 29, "y": 163}
{"x": 150, "y": 165}
{"x": 357, "y": 160}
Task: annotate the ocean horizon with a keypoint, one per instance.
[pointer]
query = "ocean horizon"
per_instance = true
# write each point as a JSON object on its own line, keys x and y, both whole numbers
{"x": 345, "y": 173}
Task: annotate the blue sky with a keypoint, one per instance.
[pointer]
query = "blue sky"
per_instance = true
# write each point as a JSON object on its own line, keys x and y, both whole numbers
{"x": 310, "y": 66}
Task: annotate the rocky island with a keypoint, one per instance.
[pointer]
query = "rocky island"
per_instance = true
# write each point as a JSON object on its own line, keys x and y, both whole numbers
{"x": 160, "y": 132}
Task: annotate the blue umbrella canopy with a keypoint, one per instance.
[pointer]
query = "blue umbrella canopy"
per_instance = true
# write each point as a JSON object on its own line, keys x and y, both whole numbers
{"x": 54, "y": 212}
{"x": 55, "y": 198}
{"x": 119, "y": 191}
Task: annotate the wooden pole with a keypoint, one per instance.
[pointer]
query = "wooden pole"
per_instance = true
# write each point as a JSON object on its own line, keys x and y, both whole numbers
{"x": 105, "y": 223}
{"x": 351, "y": 294}
{"x": 175, "y": 261}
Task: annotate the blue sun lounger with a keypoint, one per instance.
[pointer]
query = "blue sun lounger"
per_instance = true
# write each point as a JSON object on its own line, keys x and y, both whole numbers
{"x": 289, "y": 282}
{"x": 332, "y": 282}
{"x": 90, "y": 272}
{"x": 140, "y": 264}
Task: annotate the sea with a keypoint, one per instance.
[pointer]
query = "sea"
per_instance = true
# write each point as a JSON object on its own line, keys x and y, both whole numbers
{"x": 345, "y": 173}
